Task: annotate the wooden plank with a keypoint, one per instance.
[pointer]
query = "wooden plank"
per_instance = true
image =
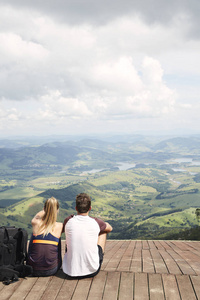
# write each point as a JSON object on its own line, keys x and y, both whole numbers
{"x": 126, "y": 286}
{"x": 194, "y": 244}
{"x": 1, "y": 286}
{"x": 155, "y": 254}
{"x": 196, "y": 284}
{"x": 159, "y": 263}
{"x": 183, "y": 265}
{"x": 111, "y": 287}
{"x": 173, "y": 245}
{"x": 54, "y": 287}
{"x": 170, "y": 287}
{"x": 172, "y": 266}
{"x": 158, "y": 245}
{"x": 185, "y": 287}
{"x": 151, "y": 245}
{"x": 114, "y": 261}
{"x": 82, "y": 289}
{"x": 38, "y": 289}
{"x": 110, "y": 245}
{"x": 156, "y": 287}
{"x": 196, "y": 252}
{"x": 145, "y": 245}
{"x": 23, "y": 289}
{"x": 63, "y": 247}
{"x": 108, "y": 255}
{"x": 189, "y": 255}
{"x": 125, "y": 244}
{"x": 176, "y": 257}
{"x": 7, "y": 290}
{"x": 97, "y": 287}
{"x": 148, "y": 266}
{"x": 110, "y": 248}
{"x": 67, "y": 290}
{"x": 138, "y": 245}
{"x": 125, "y": 262}
{"x": 165, "y": 245}
{"x": 141, "y": 291}
{"x": 133, "y": 244}
{"x": 190, "y": 245}
{"x": 183, "y": 246}
{"x": 192, "y": 259}
{"x": 136, "y": 263}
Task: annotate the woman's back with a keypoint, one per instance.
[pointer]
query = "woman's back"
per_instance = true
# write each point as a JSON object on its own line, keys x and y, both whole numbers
{"x": 44, "y": 253}
{"x": 37, "y": 224}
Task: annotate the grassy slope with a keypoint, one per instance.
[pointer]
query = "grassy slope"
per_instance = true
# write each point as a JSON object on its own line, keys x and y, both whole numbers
{"x": 128, "y": 207}
{"x": 135, "y": 204}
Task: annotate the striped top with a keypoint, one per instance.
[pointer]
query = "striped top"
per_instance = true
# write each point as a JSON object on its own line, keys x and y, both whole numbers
{"x": 43, "y": 252}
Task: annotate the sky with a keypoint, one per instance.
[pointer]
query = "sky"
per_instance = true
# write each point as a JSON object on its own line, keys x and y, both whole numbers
{"x": 99, "y": 67}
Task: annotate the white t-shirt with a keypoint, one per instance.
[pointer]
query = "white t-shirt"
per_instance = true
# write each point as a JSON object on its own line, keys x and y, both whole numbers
{"x": 82, "y": 256}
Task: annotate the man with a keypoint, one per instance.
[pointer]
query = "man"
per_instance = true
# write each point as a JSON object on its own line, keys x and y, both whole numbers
{"x": 85, "y": 241}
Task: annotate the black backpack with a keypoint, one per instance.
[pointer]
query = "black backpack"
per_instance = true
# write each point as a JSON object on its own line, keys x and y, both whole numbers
{"x": 13, "y": 254}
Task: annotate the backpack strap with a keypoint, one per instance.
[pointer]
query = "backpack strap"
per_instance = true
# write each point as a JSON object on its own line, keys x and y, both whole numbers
{"x": 8, "y": 275}
{"x": 2, "y": 230}
{"x": 21, "y": 246}
{"x": 4, "y": 236}
{"x": 7, "y": 255}
{"x": 24, "y": 270}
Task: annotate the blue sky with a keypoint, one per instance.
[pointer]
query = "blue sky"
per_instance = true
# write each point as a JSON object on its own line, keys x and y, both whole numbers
{"x": 85, "y": 67}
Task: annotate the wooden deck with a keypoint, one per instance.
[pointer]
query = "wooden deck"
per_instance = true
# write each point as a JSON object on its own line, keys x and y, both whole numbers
{"x": 140, "y": 270}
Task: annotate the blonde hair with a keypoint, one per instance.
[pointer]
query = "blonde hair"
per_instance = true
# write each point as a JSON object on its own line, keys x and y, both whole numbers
{"x": 51, "y": 207}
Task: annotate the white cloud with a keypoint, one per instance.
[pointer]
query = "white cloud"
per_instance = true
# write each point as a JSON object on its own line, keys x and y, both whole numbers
{"x": 119, "y": 76}
{"x": 123, "y": 91}
{"x": 57, "y": 107}
{"x": 152, "y": 71}
{"x": 130, "y": 66}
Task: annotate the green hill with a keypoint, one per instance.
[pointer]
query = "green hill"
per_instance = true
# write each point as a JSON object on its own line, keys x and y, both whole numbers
{"x": 131, "y": 217}
{"x": 155, "y": 197}
{"x": 20, "y": 214}
{"x": 179, "y": 144}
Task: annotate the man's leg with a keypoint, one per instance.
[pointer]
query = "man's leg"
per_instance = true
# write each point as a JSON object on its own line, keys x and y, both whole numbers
{"x": 102, "y": 240}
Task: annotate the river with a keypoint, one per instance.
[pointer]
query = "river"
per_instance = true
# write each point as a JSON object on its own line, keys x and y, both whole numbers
{"x": 124, "y": 166}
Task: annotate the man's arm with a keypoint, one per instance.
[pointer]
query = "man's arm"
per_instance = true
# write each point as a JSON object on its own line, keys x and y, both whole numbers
{"x": 103, "y": 235}
{"x": 105, "y": 227}
{"x": 65, "y": 222}
{"x": 108, "y": 228}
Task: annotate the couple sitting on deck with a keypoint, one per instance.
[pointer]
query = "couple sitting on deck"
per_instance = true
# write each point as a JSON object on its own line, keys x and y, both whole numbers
{"x": 85, "y": 241}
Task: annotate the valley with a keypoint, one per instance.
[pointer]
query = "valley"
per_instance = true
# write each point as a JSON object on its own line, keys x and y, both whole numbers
{"x": 146, "y": 187}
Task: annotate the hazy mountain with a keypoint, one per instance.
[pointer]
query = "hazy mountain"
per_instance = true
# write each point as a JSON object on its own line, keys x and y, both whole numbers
{"x": 179, "y": 144}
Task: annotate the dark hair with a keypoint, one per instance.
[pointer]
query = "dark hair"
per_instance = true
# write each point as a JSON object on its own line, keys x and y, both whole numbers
{"x": 83, "y": 203}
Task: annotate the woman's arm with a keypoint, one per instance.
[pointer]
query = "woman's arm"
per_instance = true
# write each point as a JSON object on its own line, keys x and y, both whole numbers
{"x": 58, "y": 229}
{"x": 37, "y": 217}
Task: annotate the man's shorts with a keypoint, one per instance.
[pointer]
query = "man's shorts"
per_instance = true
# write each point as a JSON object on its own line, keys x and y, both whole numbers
{"x": 101, "y": 254}
{"x": 100, "y": 262}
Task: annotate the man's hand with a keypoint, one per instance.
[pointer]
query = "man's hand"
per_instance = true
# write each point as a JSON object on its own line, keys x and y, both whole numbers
{"x": 108, "y": 228}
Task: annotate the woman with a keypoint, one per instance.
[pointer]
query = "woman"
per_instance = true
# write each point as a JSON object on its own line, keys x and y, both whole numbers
{"x": 44, "y": 253}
